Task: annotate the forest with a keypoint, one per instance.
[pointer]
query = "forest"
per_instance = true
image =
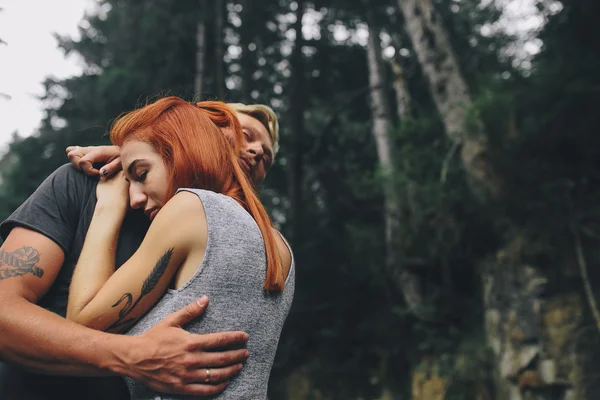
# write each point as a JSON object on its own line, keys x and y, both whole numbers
{"x": 436, "y": 177}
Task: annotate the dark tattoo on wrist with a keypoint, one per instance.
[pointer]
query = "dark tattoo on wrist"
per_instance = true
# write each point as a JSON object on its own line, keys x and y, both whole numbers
{"x": 20, "y": 262}
{"x": 123, "y": 324}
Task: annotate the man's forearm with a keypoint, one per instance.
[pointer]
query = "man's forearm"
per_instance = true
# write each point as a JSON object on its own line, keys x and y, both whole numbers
{"x": 39, "y": 340}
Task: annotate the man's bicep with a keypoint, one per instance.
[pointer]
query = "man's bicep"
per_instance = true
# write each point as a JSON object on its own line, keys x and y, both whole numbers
{"x": 55, "y": 208}
{"x": 29, "y": 263}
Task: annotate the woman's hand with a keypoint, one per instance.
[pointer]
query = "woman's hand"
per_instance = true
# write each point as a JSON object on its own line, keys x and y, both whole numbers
{"x": 113, "y": 193}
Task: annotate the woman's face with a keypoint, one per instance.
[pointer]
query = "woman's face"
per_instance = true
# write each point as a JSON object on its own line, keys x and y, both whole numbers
{"x": 147, "y": 175}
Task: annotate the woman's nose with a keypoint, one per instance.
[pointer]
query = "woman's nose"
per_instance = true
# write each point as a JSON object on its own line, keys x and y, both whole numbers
{"x": 137, "y": 198}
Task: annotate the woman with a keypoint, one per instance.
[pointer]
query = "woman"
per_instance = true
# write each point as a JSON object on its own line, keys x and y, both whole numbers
{"x": 210, "y": 235}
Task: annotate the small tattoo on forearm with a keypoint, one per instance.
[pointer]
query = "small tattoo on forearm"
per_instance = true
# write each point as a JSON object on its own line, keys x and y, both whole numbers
{"x": 20, "y": 262}
{"x": 123, "y": 324}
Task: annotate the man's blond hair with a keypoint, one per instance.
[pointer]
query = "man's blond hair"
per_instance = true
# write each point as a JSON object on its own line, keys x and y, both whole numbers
{"x": 265, "y": 115}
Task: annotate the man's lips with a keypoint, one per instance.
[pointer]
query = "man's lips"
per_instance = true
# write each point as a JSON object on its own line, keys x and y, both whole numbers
{"x": 247, "y": 166}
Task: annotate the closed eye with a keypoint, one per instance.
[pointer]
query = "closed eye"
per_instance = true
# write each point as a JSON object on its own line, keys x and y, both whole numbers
{"x": 247, "y": 135}
{"x": 141, "y": 177}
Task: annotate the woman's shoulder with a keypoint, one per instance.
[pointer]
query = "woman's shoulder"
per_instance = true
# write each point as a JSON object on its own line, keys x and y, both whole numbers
{"x": 183, "y": 214}
{"x": 203, "y": 194}
{"x": 183, "y": 202}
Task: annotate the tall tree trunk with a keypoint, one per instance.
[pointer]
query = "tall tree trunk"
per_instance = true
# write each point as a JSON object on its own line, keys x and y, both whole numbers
{"x": 425, "y": 385}
{"x": 247, "y": 60}
{"x": 403, "y": 100}
{"x": 533, "y": 333}
{"x": 402, "y": 95}
{"x": 219, "y": 37}
{"x": 407, "y": 282}
{"x": 200, "y": 51}
{"x": 450, "y": 93}
{"x": 297, "y": 108}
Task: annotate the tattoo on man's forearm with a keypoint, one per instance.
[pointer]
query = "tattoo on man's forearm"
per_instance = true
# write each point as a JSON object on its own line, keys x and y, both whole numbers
{"x": 123, "y": 324}
{"x": 20, "y": 262}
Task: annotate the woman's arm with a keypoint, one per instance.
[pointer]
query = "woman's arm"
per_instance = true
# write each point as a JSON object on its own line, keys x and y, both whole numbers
{"x": 103, "y": 299}
{"x": 96, "y": 263}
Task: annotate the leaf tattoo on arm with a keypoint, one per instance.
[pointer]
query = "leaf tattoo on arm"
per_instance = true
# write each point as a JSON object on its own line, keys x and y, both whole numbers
{"x": 123, "y": 324}
{"x": 20, "y": 262}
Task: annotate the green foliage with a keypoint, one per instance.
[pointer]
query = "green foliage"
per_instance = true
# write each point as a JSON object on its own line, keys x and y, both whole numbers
{"x": 349, "y": 332}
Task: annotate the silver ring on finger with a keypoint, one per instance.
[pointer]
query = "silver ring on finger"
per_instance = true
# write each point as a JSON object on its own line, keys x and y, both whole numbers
{"x": 207, "y": 379}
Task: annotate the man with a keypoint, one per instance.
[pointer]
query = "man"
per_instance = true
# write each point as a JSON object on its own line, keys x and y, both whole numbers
{"x": 43, "y": 239}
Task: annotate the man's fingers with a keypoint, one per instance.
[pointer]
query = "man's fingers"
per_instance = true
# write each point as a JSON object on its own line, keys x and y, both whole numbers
{"x": 222, "y": 359}
{"x": 219, "y": 340}
{"x": 83, "y": 150}
{"x": 188, "y": 313}
{"x": 84, "y": 158}
{"x": 216, "y": 375}
{"x": 75, "y": 155}
{"x": 81, "y": 159}
{"x": 87, "y": 167}
{"x": 112, "y": 167}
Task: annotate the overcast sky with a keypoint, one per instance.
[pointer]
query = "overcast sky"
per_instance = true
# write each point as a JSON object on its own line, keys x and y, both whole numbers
{"x": 29, "y": 55}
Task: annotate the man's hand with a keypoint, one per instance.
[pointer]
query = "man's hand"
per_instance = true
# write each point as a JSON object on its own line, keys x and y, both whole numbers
{"x": 84, "y": 158}
{"x": 169, "y": 359}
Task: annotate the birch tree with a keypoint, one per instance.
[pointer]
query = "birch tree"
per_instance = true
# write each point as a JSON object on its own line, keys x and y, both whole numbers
{"x": 219, "y": 37}
{"x": 407, "y": 282}
{"x": 450, "y": 93}
{"x": 200, "y": 50}
{"x": 296, "y": 124}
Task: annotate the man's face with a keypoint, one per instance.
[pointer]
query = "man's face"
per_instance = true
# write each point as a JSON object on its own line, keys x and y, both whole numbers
{"x": 257, "y": 148}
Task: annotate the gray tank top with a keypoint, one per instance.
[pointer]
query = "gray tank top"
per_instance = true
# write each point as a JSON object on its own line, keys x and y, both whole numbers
{"x": 232, "y": 275}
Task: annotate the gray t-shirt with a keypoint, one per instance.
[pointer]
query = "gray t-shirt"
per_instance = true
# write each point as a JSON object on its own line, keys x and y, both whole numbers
{"x": 62, "y": 209}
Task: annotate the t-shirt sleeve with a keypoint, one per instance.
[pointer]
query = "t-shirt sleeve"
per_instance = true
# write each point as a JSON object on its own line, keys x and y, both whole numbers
{"x": 54, "y": 209}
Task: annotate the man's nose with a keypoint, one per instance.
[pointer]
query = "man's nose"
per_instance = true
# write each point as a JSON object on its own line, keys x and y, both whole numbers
{"x": 137, "y": 198}
{"x": 255, "y": 149}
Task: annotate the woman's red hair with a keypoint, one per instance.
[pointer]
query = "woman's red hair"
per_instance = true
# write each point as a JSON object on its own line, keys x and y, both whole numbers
{"x": 189, "y": 139}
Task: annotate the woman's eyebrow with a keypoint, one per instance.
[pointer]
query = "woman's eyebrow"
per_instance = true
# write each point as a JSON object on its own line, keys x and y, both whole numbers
{"x": 134, "y": 164}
